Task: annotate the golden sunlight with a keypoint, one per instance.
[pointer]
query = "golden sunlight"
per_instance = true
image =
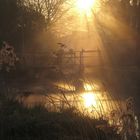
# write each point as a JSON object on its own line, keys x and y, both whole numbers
{"x": 85, "y": 5}
{"x": 89, "y": 99}
{"x": 88, "y": 87}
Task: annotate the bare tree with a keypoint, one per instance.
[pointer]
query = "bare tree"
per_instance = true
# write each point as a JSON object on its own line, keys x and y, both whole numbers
{"x": 52, "y": 9}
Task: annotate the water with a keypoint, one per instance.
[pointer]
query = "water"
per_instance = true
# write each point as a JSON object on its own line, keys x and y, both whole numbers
{"x": 93, "y": 101}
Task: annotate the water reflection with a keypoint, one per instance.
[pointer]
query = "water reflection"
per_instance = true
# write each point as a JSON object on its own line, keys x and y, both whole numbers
{"x": 93, "y": 101}
{"x": 89, "y": 99}
{"x": 88, "y": 87}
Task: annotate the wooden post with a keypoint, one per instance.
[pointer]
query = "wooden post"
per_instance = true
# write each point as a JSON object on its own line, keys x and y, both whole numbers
{"x": 81, "y": 62}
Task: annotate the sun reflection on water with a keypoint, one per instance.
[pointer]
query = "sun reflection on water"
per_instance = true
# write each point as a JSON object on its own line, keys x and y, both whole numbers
{"x": 92, "y": 101}
{"x": 89, "y": 99}
{"x": 88, "y": 87}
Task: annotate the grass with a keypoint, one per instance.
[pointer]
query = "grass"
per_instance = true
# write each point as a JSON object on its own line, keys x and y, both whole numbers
{"x": 37, "y": 123}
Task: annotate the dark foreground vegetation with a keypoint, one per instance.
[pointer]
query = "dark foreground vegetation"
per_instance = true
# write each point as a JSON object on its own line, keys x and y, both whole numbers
{"x": 20, "y": 123}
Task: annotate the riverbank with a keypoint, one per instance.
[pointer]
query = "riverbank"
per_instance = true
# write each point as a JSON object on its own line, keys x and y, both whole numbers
{"x": 37, "y": 123}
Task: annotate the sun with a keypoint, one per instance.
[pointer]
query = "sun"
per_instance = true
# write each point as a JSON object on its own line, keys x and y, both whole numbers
{"x": 85, "y": 5}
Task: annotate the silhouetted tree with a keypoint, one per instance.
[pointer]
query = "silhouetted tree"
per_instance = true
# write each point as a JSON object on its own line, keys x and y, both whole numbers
{"x": 52, "y": 9}
{"x": 19, "y": 22}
